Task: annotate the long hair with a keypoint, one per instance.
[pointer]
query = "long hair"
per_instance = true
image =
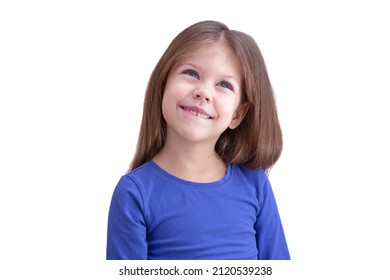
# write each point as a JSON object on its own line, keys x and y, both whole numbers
{"x": 257, "y": 141}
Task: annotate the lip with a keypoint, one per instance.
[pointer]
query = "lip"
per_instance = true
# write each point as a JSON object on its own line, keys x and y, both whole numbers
{"x": 197, "y": 110}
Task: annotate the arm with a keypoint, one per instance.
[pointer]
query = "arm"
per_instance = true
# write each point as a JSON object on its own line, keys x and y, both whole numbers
{"x": 126, "y": 235}
{"x": 271, "y": 241}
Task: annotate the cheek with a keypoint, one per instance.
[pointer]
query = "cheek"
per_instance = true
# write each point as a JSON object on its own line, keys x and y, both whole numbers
{"x": 171, "y": 90}
{"x": 165, "y": 107}
{"x": 169, "y": 105}
{"x": 228, "y": 108}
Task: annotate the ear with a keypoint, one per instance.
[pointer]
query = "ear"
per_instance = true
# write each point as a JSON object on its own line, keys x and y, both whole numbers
{"x": 239, "y": 115}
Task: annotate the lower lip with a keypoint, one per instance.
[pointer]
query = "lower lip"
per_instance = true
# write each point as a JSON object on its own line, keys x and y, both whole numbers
{"x": 192, "y": 115}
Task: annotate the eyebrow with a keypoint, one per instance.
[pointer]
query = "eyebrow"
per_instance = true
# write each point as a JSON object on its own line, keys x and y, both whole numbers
{"x": 182, "y": 64}
{"x": 227, "y": 76}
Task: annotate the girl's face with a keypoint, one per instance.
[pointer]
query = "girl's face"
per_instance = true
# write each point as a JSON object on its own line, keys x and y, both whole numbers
{"x": 202, "y": 96}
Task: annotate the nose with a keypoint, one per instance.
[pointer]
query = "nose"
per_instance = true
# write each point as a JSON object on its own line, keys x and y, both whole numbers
{"x": 203, "y": 93}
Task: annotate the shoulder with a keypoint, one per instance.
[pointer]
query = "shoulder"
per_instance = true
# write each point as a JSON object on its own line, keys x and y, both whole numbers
{"x": 142, "y": 180}
{"x": 139, "y": 174}
{"x": 250, "y": 174}
{"x": 254, "y": 180}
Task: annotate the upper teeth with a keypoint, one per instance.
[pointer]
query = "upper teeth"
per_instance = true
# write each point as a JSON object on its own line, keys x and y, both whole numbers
{"x": 200, "y": 115}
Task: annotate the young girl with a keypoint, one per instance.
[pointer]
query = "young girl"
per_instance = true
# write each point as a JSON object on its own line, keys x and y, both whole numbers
{"x": 197, "y": 187}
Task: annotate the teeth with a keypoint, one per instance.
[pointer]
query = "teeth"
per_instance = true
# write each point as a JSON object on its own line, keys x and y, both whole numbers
{"x": 200, "y": 115}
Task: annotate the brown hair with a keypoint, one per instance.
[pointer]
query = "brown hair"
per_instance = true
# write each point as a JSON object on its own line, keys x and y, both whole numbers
{"x": 257, "y": 141}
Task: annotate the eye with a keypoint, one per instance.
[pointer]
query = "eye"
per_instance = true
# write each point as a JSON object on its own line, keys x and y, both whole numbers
{"x": 225, "y": 84}
{"x": 191, "y": 73}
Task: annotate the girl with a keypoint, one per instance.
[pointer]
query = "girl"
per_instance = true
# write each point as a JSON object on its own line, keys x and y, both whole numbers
{"x": 197, "y": 187}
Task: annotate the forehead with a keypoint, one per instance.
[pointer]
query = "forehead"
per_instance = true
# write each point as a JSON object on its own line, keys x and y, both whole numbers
{"x": 203, "y": 48}
{"x": 205, "y": 51}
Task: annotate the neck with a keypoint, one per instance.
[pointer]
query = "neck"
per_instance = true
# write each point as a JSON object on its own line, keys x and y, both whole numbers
{"x": 195, "y": 162}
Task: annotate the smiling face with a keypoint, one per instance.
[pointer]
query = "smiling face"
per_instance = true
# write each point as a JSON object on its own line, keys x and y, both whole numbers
{"x": 202, "y": 96}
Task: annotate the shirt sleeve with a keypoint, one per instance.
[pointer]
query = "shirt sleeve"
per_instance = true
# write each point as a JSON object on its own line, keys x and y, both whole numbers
{"x": 270, "y": 237}
{"x": 126, "y": 234}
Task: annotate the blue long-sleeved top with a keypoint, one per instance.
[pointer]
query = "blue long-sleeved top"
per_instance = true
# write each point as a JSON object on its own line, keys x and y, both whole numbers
{"x": 155, "y": 215}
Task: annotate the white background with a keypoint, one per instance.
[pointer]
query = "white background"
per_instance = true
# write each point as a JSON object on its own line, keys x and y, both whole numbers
{"x": 72, "y": 81}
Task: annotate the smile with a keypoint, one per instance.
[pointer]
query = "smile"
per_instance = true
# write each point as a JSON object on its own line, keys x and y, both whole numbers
{"x": 196, "y": 113}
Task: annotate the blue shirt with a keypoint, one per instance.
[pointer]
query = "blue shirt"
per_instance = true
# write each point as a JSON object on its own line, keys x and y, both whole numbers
{"x": 155, "y": 215}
